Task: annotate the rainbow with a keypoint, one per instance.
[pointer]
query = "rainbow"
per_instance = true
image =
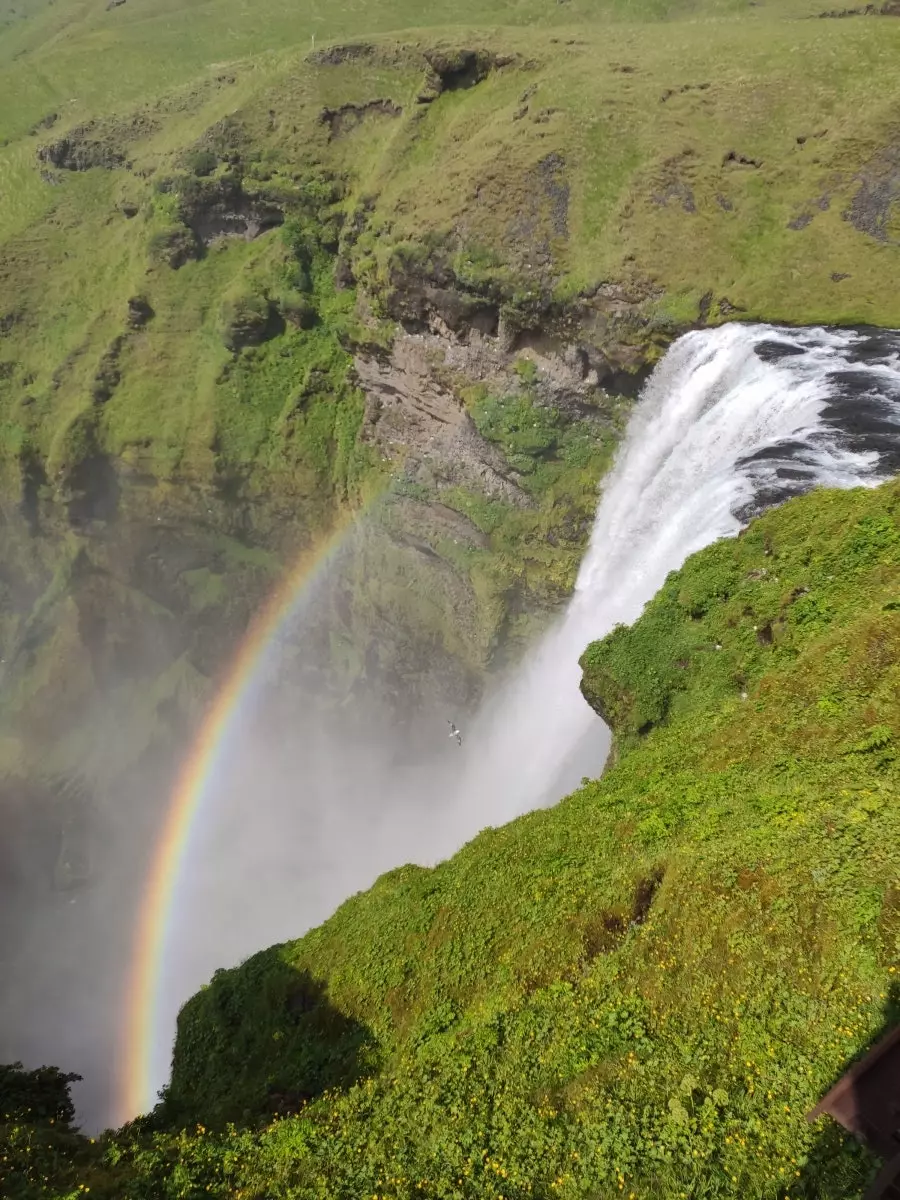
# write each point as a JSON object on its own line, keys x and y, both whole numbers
{"x": 240, "y": 688}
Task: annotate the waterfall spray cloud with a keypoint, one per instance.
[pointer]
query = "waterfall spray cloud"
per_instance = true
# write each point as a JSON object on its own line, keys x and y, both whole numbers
{"x": 236, "y": 696}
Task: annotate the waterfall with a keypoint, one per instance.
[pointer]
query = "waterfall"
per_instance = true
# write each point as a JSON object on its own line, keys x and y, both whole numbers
{"x": 732, "y": 420}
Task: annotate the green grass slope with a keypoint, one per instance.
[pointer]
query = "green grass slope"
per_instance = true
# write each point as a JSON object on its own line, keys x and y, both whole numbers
{"x": 683, "y": 161}
{"x": 639, "y": 992}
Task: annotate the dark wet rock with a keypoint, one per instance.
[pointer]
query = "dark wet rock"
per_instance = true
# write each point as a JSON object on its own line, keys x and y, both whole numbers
{"x": 346, "y": 118}
{"x": 139, "y": 312}
{"x": 298, "y": 310}
{"x": 839, "y": 276}
{"x": 114, "y": 4}
{"x": 129, "y": 209}
{"x": 459, "y": 310}
{"x": 8, "y": 321}
{"x": 91, "y": 490}
{"x": 453, "y": 70}
{"x": 80, "y": 154}
{"x": 774, "y": 350}
{"x": 343, "y": 273}
{"x": 889, "y": 9}
{"x": 727, "y": 309}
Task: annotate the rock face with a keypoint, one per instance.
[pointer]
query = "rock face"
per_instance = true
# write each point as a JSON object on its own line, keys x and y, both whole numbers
{"x": 97, "y": 143}
{"x": 410, "y": 413}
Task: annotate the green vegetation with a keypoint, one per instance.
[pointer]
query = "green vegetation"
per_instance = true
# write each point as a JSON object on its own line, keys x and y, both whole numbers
{"x": 639, "y": 992}
{"x": 676, "y": 158}
{"x": 205, "y": 214}
{"x": 533, "y": 549}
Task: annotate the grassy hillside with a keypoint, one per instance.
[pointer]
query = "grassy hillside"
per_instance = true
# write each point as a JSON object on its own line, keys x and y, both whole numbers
{"x": 684, "y": 160}
{"x": 211, "y": 217}
{"x": 639, "y": 992}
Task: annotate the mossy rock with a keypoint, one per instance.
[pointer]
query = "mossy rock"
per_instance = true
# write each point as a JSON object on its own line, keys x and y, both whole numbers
{"x": 173, "y": 246}
{"x": 248, "y": 318}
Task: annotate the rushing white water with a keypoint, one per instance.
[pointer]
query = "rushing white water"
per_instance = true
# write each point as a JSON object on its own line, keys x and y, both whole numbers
{"x": 731, "y": 420}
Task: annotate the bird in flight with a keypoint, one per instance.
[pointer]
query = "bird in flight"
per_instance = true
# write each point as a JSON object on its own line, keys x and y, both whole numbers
{"x": 454, "y": 732}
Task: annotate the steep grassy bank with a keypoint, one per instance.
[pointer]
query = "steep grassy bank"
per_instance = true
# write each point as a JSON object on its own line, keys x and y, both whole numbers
{"x": 639, "y": 992}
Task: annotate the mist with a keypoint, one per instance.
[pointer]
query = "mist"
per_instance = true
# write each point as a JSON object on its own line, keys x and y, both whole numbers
{"x": 312, "y": 803}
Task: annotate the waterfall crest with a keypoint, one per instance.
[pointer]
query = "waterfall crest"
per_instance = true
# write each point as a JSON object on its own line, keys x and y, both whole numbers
{"x": 732, "y": 421}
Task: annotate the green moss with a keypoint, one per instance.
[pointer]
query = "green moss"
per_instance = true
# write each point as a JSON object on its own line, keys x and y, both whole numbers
{"x": 206, "y": 588}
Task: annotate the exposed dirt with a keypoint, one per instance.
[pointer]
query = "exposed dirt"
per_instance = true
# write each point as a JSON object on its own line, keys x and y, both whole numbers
{"x": 96, "y": 144}
{"x": 606, "y": 932}
{"x": 671, "y": 186}
{"x": 890, "y": 9}
{"x": 879, "y": 188}
{"x": 740, "y": 160}
{"x": 685, "y": 87}
{"x": 343, "y": 120}
{"x": 335, "y": 56}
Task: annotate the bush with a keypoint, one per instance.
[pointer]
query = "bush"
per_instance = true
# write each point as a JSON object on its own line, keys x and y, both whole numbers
{"x": 201, "y": 162}
{"x": 40, "y": 1095}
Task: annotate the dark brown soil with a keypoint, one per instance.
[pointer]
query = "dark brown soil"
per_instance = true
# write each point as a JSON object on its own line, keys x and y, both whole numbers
{"x": 346, "y": 118}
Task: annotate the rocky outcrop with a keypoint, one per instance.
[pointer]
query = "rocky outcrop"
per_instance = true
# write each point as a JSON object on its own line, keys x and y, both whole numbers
{"x": 101, "y": 143}
{"x": 450, "y": 70}
{"x": 412, "y": 416}
{"x": 218, "y": 208}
